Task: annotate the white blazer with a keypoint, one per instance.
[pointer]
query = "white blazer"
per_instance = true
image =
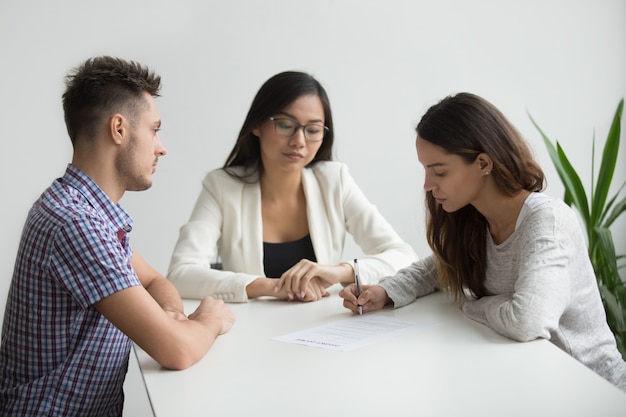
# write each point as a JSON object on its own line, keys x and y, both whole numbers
{"x": 226, "y": 220}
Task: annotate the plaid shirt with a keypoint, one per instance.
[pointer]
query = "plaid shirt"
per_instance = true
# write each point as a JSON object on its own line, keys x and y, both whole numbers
{"x": 59, "y": 356}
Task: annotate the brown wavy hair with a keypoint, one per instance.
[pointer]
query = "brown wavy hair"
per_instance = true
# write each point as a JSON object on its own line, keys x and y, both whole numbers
{"x": 468, "y": 125}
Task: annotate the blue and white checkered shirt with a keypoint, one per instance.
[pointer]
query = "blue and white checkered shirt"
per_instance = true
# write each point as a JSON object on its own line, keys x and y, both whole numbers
{"x": 59, "y": 356}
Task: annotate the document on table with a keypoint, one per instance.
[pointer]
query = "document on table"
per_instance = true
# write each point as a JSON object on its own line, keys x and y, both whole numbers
{"x": 353, "y": 333}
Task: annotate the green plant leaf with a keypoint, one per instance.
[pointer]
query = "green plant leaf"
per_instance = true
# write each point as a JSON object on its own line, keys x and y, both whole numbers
{"x": 575, "y": 187}
{"x": 597, "y": 219}
{"x": 574, "y": 190}
{"x": 607, "y": 166}
{"x": 567, "y": 198}
{"x": 610, "y": 275}
{"x": 619, "y": 208}
{"x": 613, "y": 309}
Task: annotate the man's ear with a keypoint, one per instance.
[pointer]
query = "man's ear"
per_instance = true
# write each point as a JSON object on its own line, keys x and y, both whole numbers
{"x": 117, "y": 128}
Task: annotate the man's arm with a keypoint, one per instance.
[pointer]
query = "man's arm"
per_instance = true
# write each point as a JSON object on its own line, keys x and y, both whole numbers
{"x": 172, "y": 340}
{"x": 159, "y": 287}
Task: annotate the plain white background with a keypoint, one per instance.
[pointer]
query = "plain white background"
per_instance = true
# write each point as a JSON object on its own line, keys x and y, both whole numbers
{"x": 383, "y": 63}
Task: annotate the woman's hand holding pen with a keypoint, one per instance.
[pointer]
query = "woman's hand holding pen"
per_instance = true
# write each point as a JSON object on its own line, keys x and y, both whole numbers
{"x": 373, "y": 297}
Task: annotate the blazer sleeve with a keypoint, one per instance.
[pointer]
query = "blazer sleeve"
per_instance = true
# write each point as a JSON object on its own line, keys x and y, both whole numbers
{"x": 197, "y": 246}
{"x": 385, "y": 252}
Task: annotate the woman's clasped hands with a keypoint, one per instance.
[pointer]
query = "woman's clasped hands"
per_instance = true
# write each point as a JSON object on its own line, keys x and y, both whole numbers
{"x": 308, "y": 280}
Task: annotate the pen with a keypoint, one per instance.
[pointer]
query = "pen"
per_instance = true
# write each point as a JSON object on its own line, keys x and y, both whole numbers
{"x": 357, "y": 280}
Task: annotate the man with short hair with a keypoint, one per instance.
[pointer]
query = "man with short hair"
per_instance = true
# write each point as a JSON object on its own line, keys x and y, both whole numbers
{"x": 80, "y": 294}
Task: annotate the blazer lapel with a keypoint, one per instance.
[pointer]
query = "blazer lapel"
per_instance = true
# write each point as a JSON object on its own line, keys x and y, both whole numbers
{"x": 319, "y": 226}
{"x": 252, "y": 224}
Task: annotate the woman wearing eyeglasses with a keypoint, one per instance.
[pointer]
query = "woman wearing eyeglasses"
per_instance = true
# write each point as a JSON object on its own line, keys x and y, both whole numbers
{"x": 278, "y": 211}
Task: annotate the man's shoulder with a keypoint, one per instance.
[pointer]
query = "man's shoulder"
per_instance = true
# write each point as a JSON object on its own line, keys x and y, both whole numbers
{"x": 64, "y": 202}
{"x": 62, "y": 207}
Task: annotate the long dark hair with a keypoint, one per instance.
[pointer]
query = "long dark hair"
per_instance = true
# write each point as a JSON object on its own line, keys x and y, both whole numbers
{"x": 468, "y": 125}
{"x": 274, "y": 95}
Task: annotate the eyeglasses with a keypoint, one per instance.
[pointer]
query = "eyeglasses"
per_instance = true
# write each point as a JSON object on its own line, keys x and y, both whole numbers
{"x": 313, "y": 132}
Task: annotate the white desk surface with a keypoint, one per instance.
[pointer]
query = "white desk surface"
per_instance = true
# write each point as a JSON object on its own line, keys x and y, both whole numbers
{"x": 455, "y": 368}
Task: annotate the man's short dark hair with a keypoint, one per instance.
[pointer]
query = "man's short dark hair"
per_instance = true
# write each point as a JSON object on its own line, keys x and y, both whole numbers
{"x": 103, "y": 86}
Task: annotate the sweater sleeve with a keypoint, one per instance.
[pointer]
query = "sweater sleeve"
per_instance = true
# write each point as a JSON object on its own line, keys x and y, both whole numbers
{"x": 416, "y": 280}
{"x": 541, "y": 290}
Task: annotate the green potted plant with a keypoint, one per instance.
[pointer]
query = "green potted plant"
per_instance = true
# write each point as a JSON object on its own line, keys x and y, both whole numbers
{"x": 598, "y": 213}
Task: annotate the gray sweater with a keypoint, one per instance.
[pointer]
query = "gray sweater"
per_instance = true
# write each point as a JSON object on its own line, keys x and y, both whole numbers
{"x": 541, "y": 285}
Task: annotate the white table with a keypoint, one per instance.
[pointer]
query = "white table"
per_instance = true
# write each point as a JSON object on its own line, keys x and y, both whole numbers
{"x": 454, "y": 368}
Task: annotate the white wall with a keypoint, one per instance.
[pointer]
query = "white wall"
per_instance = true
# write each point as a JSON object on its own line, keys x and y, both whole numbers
{"x": 382, "y": 62}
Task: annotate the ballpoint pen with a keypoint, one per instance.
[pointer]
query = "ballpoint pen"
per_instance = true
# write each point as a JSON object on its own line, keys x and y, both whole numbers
{"x": 357, "y": 280}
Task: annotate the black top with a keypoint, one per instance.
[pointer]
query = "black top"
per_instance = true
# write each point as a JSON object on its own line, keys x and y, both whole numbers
{"x": 279, "y": 257}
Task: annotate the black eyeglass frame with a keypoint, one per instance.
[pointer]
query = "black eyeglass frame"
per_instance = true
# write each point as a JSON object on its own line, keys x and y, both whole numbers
{"x": 299, "y": 126}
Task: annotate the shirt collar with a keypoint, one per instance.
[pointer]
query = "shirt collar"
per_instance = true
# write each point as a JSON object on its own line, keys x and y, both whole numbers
{"x": 83, "y": 183}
